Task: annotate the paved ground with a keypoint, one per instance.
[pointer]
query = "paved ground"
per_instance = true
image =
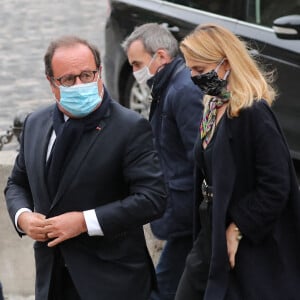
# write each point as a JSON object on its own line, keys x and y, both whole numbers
{"x": 26, "y": 28}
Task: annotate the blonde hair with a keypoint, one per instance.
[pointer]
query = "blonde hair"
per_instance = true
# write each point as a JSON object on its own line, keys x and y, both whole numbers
{"x": 210, "y": 43}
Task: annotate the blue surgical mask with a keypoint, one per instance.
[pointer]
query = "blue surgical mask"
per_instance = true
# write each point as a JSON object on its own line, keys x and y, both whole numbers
{"x": 81, "y": 99}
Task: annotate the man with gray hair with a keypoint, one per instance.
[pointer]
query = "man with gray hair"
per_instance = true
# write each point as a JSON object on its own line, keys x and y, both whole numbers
{"x": 175, "y": 114}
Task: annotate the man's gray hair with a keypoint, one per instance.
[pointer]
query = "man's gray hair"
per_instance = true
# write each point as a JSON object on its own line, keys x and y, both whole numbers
{"x": 154, "y": 37}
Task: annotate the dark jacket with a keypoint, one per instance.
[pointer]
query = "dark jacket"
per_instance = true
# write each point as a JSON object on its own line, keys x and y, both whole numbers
{"x": 114, "y": 170}
{"x": 254, "y": 186}
{"x": 175, "y": 116}
{"x": 1, "y": 293}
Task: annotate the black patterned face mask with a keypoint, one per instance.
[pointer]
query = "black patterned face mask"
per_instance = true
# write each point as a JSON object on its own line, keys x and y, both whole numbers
{"x": 211, "y": 84}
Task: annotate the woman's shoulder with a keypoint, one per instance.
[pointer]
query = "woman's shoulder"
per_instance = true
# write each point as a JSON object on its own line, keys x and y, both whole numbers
{"x": 255, "y": 118}
{"x": 260, "y": 110}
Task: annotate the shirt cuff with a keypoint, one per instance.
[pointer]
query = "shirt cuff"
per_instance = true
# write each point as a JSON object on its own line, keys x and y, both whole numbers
{"x": 21, "y": 210}
{"x": 92, "y": 223}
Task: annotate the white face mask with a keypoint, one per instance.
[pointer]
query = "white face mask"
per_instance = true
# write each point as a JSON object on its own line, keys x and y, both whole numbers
{"x": 143, "y": 75}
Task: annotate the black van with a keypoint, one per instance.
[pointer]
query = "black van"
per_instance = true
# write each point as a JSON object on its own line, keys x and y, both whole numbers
{"x": 272, "y": 27}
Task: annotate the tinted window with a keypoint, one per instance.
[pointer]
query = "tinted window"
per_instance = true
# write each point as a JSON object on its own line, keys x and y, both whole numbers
{"x": 229, "y": 8}
{"x": 262, "y": 12}
{"x": 266, "y": 11}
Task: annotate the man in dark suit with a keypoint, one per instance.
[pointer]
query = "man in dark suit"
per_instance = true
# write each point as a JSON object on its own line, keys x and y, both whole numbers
{"x": 85, "y": 181}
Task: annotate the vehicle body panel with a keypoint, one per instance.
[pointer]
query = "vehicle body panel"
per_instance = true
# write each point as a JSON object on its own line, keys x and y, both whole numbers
{"x": 277, "y": 54}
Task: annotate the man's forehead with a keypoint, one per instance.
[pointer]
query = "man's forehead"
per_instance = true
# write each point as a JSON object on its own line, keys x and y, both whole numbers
{"x": 72, "y": 59}
{"x": 74, "y": 48}
{"x": 137, "y": 53}
{"x": 72, "y": 54}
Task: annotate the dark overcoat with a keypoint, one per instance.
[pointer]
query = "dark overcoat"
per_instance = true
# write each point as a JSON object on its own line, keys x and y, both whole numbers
{"x": 175, "y": 122}
{"x": 254, "y": 186}
{"x": 114, "y": 170}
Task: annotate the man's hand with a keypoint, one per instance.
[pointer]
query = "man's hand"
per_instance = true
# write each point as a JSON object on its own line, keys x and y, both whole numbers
{"x": 65, "y": 226}
{"x": 233, "y": 237}
{"x": 32, "y": 224}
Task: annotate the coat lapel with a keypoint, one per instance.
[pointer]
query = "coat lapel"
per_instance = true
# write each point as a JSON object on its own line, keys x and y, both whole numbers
{"x": 85, "y": 144}
{"x": 40, "y": 153}
{"x": 223, "y": 161}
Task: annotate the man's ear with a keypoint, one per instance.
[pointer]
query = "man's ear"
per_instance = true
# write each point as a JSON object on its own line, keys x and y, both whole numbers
{"x": 163, "y": 56}
{"x": 100, "y": 72}
{"x": 52, "y": 85}
{"x": 49, "y": 79}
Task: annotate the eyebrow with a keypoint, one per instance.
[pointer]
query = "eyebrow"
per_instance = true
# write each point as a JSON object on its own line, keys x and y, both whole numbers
{"x": 134, "y": 62}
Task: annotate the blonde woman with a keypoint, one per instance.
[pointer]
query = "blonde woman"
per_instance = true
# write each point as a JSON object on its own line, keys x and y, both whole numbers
{"x": 247, "y": 208}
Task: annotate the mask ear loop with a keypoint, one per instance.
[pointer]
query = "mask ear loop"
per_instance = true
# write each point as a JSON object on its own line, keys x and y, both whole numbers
{"x": 99, "y": 72}
{"x": 219, "y": 65}
{"x": 99, "y": 78}
{"x": 151, "y": 61}
{"x": 226, "y": 74}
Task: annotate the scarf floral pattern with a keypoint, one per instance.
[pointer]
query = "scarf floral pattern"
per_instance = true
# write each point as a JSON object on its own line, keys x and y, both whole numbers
{"x": 208, "y": 123}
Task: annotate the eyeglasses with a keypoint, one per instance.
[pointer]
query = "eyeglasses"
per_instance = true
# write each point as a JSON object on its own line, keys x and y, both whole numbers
{"x": 70, "y": 79}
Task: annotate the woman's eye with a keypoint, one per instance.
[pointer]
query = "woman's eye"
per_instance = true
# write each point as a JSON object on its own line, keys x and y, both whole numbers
{"x": 198, "y": 71}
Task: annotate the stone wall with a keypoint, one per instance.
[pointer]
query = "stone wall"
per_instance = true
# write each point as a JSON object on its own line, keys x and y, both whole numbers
{"x": 16, "y": 254}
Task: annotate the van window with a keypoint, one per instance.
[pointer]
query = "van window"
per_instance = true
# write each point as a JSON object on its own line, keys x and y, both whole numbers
{"x": 229, "y": 8}
{"x": 264, "y": 12}
{"x": 261, "y": 12}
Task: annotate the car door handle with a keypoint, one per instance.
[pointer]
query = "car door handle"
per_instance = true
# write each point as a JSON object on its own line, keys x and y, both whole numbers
{"x": 170, "y": 28}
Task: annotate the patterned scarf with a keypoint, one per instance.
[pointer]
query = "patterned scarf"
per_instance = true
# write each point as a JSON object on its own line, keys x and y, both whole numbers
{"x": 208, "y": 123}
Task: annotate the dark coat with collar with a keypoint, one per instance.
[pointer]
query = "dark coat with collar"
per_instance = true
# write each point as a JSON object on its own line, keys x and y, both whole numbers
{"x": 254, "y": 186}
{"x": 175, "y": 116}
{"x": 114, "y": 170}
